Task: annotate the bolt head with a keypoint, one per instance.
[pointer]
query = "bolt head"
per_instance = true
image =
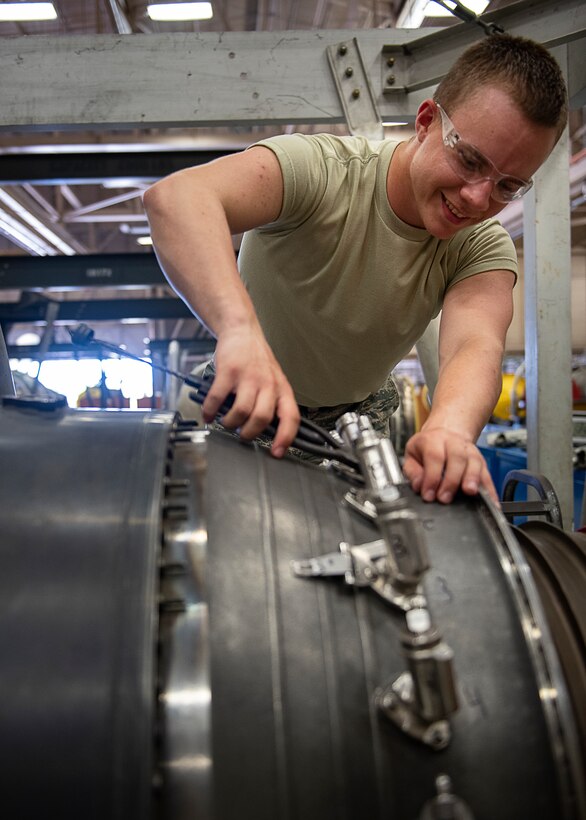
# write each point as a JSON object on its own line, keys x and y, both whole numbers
{"x": 389, "y": 701}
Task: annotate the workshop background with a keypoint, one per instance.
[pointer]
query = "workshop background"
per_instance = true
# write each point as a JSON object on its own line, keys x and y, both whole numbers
{"x": 85, "y": 128}
{"x": 191, "y": 629}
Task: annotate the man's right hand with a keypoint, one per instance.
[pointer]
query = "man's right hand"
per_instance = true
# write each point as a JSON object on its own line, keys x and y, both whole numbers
{"x": 192, "y": 214}
{"x": 246, "y": 367}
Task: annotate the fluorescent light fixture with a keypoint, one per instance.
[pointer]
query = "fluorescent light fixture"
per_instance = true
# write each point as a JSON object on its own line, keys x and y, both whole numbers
{"x": 394, "y": 124}
{"x": 435, "y": 10}
{"x": 414, "y": 11}
{"x": 35, "y": 223}
{"x": 21, "y": 236}
{"x": 26, "y": 12}
{"x": 175, "y": 12}
{"x": 144, "y": 240}
{"x": 28, "y": 338}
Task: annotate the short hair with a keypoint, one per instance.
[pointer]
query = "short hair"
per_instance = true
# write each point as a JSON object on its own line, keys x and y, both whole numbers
{"x": 523, "y": 68}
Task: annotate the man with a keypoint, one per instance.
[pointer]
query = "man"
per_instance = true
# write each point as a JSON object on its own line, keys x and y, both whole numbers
{"x": 352, "y": 247}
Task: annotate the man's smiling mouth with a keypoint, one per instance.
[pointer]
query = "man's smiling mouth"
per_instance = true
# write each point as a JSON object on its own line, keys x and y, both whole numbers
{"x": 453, "y": 209}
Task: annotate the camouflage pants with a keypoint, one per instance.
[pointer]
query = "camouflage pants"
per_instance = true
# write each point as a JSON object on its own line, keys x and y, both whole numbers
{"x": 379, "y": 407}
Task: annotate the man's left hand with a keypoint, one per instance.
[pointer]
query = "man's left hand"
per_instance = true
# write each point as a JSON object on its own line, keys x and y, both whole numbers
{"x": 438, "y": 462}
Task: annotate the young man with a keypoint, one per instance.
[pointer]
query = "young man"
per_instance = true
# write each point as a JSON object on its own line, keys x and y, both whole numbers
{"x": 351, "y": 248}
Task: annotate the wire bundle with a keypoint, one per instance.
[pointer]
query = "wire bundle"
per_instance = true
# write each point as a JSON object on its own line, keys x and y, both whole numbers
{"x": 311, "y": 438}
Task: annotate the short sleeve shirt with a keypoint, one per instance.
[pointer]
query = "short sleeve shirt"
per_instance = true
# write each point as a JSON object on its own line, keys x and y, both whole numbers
{"x": 342, "y": 287}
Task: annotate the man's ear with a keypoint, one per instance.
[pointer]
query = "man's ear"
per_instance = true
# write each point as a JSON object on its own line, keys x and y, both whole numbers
{"x": 424, "y": 119}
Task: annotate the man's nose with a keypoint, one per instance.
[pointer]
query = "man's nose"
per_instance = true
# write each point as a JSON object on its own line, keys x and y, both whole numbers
{"x": 477, "y": 194}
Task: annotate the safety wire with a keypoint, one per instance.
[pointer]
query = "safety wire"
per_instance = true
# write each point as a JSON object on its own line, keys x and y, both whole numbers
{"x": 310, "y": 438}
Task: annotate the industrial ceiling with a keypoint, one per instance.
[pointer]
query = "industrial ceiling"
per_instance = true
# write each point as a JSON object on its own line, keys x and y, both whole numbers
{"x": 62, "y": 191}
{"x": 106, "y": 216}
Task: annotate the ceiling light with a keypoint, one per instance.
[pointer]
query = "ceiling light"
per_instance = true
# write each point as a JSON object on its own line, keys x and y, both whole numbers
{"x": 28, "y": 338}
{"x": 23, "y": 237}
{"x": 435, "y": 10}
{"x": 23, "y": 12}
{"x": 173, "y": 12}
{"x": 414, "y": 11}
{"x": 144, "y": 240}
{"x": 36, "y": 224}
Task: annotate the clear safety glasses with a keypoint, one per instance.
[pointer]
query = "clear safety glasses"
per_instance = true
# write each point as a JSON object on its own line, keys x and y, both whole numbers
{"x": 472, "y": 166}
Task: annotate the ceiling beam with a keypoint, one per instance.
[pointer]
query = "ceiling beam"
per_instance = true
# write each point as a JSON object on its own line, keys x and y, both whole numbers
{"x": 95, "y": 167}
{"x": 111, "y": 270}
{"x": 119, "y": 17}
{"x": 95, "y": 310}
{"x": 428, "y": 58}
{"x": 58, "y": 350}
{"x": 31, "y": 214}
{"x": 238, "y": 78}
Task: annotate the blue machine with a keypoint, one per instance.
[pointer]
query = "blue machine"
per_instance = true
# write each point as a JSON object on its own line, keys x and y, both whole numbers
{"x": 501, "y": 460}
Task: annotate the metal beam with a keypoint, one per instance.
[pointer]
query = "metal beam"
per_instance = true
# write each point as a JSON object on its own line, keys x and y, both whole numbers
{"x": 237, "y": 78}
{"x": 196, "y": 347}
{"x": 182, "y": 79}
{"x": 96, "y": 168}
{"x": 30, "y": 213}
{"x": 548, "y": 344}
{"x": 112, "y": 270}
{"x": 120, "y": 19}
{"x": 96, "y": 310}
{"x": 421, "y": 66}
{"x": 577, "y": 74}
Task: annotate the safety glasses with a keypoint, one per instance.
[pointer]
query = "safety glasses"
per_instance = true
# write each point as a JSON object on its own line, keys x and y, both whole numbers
{"x": 472, "y": 166}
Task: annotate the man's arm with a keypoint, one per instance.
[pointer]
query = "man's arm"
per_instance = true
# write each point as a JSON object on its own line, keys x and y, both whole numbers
{"x": 192, "y": 215}
{"x": 442, "y": 456}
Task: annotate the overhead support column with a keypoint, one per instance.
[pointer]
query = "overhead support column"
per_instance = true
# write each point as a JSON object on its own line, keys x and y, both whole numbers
{"x": 428, "y": 353}
{"x": 6, "y": 380}
{"x": 548, "y": 341}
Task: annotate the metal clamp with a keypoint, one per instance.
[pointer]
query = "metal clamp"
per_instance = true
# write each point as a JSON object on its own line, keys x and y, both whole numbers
{"x": 421, "y": 698}
{"x": 361, "y": 565}
{"x": 445, "y": 805}
{"x": 383, "y": 501}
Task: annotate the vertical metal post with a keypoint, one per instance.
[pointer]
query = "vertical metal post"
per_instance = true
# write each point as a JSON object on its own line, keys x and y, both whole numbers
{"x": 51, "y": 313}
{"x": 548, "y": 340}
{"x": 428, "y": 353}
{"x": 172, "y": 384}
{"x": 6, "y": 380}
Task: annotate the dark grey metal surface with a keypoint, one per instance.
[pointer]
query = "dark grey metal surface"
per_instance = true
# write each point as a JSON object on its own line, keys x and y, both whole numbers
{"x": 184, "y": 758}
{"x": 80, "y": 497}
{"x": 558, "y": 564}
{"x": 294, "y": 662}
{"x": 291, "y": 663}
{"x": 6, "y": 380}
{"x": 196, "y": 347}
{"x": 97, "y": 167}
{"x": 81, "y": 271}
{"x": 97, "y": 310}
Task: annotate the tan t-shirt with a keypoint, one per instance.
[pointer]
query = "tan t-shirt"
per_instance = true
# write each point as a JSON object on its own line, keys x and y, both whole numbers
{"x": 342, "y": 287}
